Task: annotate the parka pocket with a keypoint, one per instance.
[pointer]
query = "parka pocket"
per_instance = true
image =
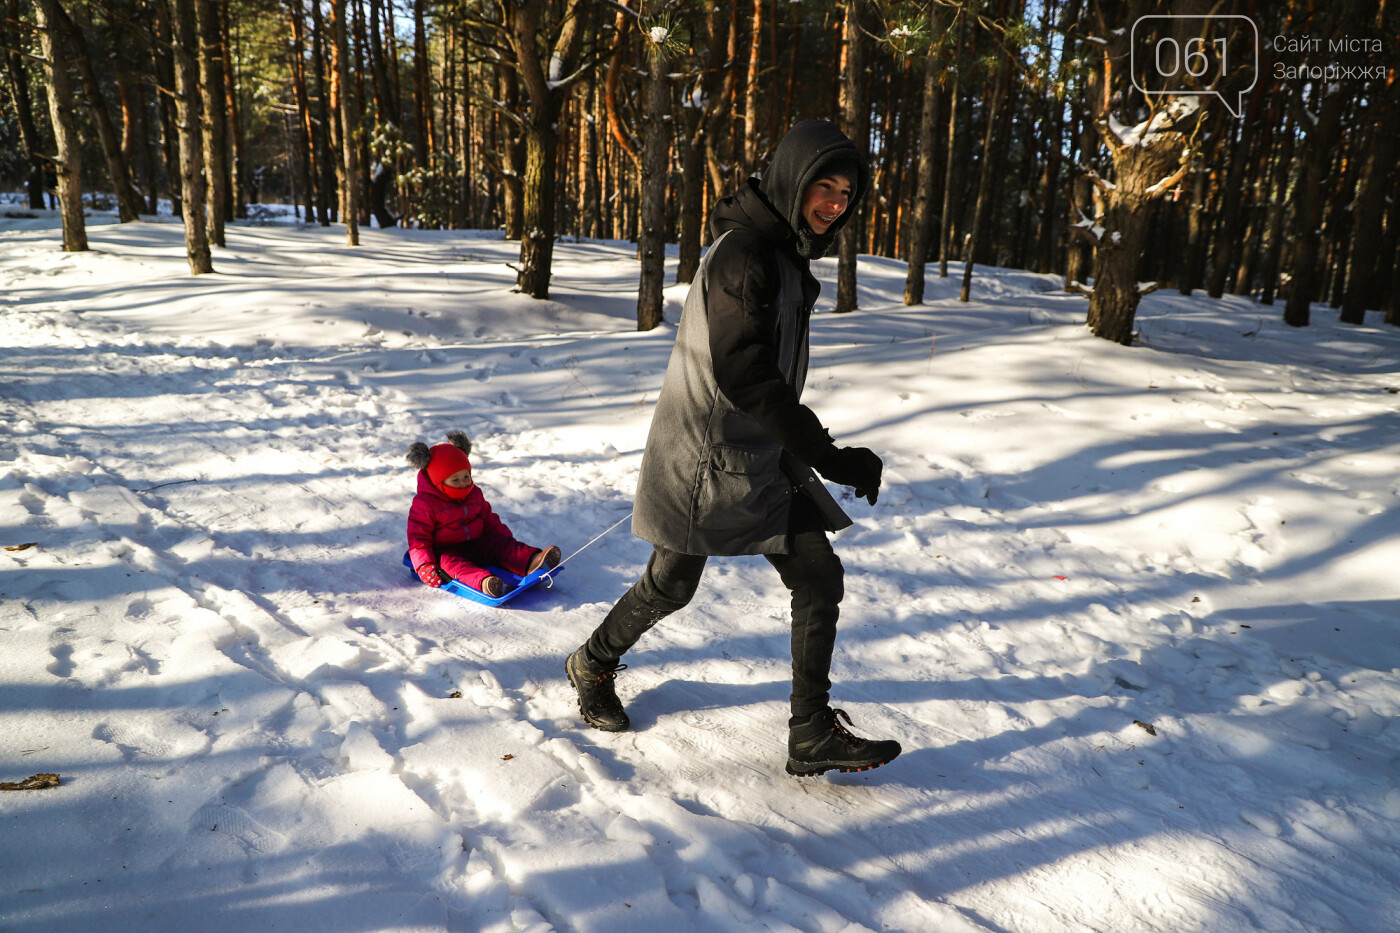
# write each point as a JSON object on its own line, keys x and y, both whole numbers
{"x": 742, "y": 490}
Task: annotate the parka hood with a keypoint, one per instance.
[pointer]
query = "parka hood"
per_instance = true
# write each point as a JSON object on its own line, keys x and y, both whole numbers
{"x": 805, "y": 155}
{"x": 747, "y": 208}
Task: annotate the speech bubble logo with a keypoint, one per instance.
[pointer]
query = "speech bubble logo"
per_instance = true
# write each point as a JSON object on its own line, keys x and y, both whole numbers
{"x": 1198, "y": 65}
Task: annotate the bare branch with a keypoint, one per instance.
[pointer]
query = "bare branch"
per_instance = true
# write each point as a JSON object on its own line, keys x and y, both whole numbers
{"x": 1170, "y": 182}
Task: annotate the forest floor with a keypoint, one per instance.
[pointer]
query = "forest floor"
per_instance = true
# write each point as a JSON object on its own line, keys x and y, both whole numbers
{"x": 261, "y": 720}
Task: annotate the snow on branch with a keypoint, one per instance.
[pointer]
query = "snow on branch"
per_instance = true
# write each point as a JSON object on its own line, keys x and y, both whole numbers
{"x": 1088, "y": 226}
{"x": 1171, "y": 181}
{"x": 1121, "y": 136}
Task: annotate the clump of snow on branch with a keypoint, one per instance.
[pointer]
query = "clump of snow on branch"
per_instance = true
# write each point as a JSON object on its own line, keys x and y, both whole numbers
{"x": 1089, "y": 225}
{"x": 1173, "y": 113}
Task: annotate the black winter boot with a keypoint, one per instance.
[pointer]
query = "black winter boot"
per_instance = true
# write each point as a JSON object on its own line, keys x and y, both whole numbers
{"x": 597, "y": 700}
{"x": 821, "y": 743}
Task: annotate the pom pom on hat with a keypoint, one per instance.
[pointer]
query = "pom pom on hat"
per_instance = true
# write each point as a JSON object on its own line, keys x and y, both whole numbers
{"x": 418, "y": 455}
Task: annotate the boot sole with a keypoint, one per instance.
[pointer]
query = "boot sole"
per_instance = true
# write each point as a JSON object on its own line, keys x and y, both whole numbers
{"x": 814, "y": 768}
{"x": 602, "y": 727}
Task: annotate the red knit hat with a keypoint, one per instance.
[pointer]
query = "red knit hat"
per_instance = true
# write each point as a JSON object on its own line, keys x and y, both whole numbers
{"x": 446, "y": 459}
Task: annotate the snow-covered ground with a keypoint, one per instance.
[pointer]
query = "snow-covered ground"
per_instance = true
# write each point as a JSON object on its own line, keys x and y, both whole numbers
{"x": 261, "y": 721}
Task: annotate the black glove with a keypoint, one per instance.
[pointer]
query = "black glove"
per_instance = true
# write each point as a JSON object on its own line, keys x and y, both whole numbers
{"x": 857, "y": 467}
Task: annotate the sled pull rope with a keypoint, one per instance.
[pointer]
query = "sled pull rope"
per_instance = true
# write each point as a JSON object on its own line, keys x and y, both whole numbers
{"x": 549, "y": 580}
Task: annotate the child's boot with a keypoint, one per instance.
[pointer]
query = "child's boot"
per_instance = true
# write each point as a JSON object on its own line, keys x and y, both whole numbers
{"x": 597, "y": 700}
{"x": 494, "y": 587}
{"x": 820, "y": 743}
{"x": 546, "y": 557}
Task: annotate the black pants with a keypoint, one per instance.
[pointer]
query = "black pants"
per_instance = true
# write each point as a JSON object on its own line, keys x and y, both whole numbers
{"x": 810, "y": 570}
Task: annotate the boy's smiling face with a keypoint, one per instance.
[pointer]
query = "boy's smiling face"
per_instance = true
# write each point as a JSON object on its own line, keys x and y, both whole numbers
{"x": 824, "y": 201}
{"x": 462, "y": 479}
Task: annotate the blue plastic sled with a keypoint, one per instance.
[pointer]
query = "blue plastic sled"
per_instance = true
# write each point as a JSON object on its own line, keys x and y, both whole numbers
{"x": 518, "y": 584}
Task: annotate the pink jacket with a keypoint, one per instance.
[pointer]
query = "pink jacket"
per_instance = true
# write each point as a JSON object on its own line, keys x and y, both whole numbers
{"x": 436, "y": 522}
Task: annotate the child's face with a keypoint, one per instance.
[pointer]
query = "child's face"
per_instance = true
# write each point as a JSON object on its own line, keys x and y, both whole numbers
{"x": 825, "y": 200}
{"x": 462, "y": 479}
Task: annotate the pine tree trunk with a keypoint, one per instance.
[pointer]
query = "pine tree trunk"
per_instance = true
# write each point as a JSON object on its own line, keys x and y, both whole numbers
{"x": 68, "y": 157}
{"x": 1388, "y": 257}
{"x": 1284, "y": 166}
{"x": 1195, "y": 255}
{"x": 515, "y": 153}
{"x": 327, "y": 155}
{"x": 24, "y": 106}
{"x": 359, "y": 69}
{"x": 537, "y": 214}
{"x": 193, "y": 184}
{"x": 951, "y": 162}
{"x": 718, "y": 83}
{"x": 856, "y": 122}
{"x": 1312, "y": 195}
{"x": 921, "y": 233}
{"x": 386, "y": 109}
{"x": 1143, "y": 172}
{"x": 237, "y": 177}
{"x": 128, "y": 204}
{"x": 385, "y": 105}
{"x": 1368, "y": 210}
{"x": 213, "y": 119}
{"x": 692, "y": 213}
{"x": 144, "y": 143}
{"x": 305, "y": 136}
{"x": 423, "y": 141}
{"x": 1113, "y": 304}
{"x": 545, "y": 76}
{"x": 1079, "y": 255}
{"x": 795, "y": 42}
{"x": 1337, "y": 224}
{"x": 656, "y": 154}
{"x": 1048, "y": 227}
{"x": 129, "y": 103}
{"x": 164, "y": 65}
{"x": 592, "y": 182}
{"x": 1018, "y": 241}
{"x": 719, "y": 127}
{"x": 1226, "y": 247}
{"x": 751, "y": 86}
{"x": 884, "y": 226}
{"x": 345, "y": 107}
{"x": 986, "y": 169}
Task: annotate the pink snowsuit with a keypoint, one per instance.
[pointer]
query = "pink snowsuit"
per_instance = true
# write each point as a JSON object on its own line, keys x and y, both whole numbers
{"x": 462, "y": 536}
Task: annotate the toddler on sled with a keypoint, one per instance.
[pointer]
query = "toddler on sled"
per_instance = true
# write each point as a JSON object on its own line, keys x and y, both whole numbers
{"x": 453, "y": 534}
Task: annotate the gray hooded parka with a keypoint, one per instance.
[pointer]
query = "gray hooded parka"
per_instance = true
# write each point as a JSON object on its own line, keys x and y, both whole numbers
{"x": 730, "y": 441}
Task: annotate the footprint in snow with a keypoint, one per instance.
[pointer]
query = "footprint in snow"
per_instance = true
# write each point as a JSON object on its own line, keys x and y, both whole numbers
{"x": 1312, "y": 479}
{"x": 1266, "y": 823}
{"x": 62, "y": 664}
{"x": 33, "y": 499}
{"x": 161, "y": 741}
{"x": 240, "y": 826}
